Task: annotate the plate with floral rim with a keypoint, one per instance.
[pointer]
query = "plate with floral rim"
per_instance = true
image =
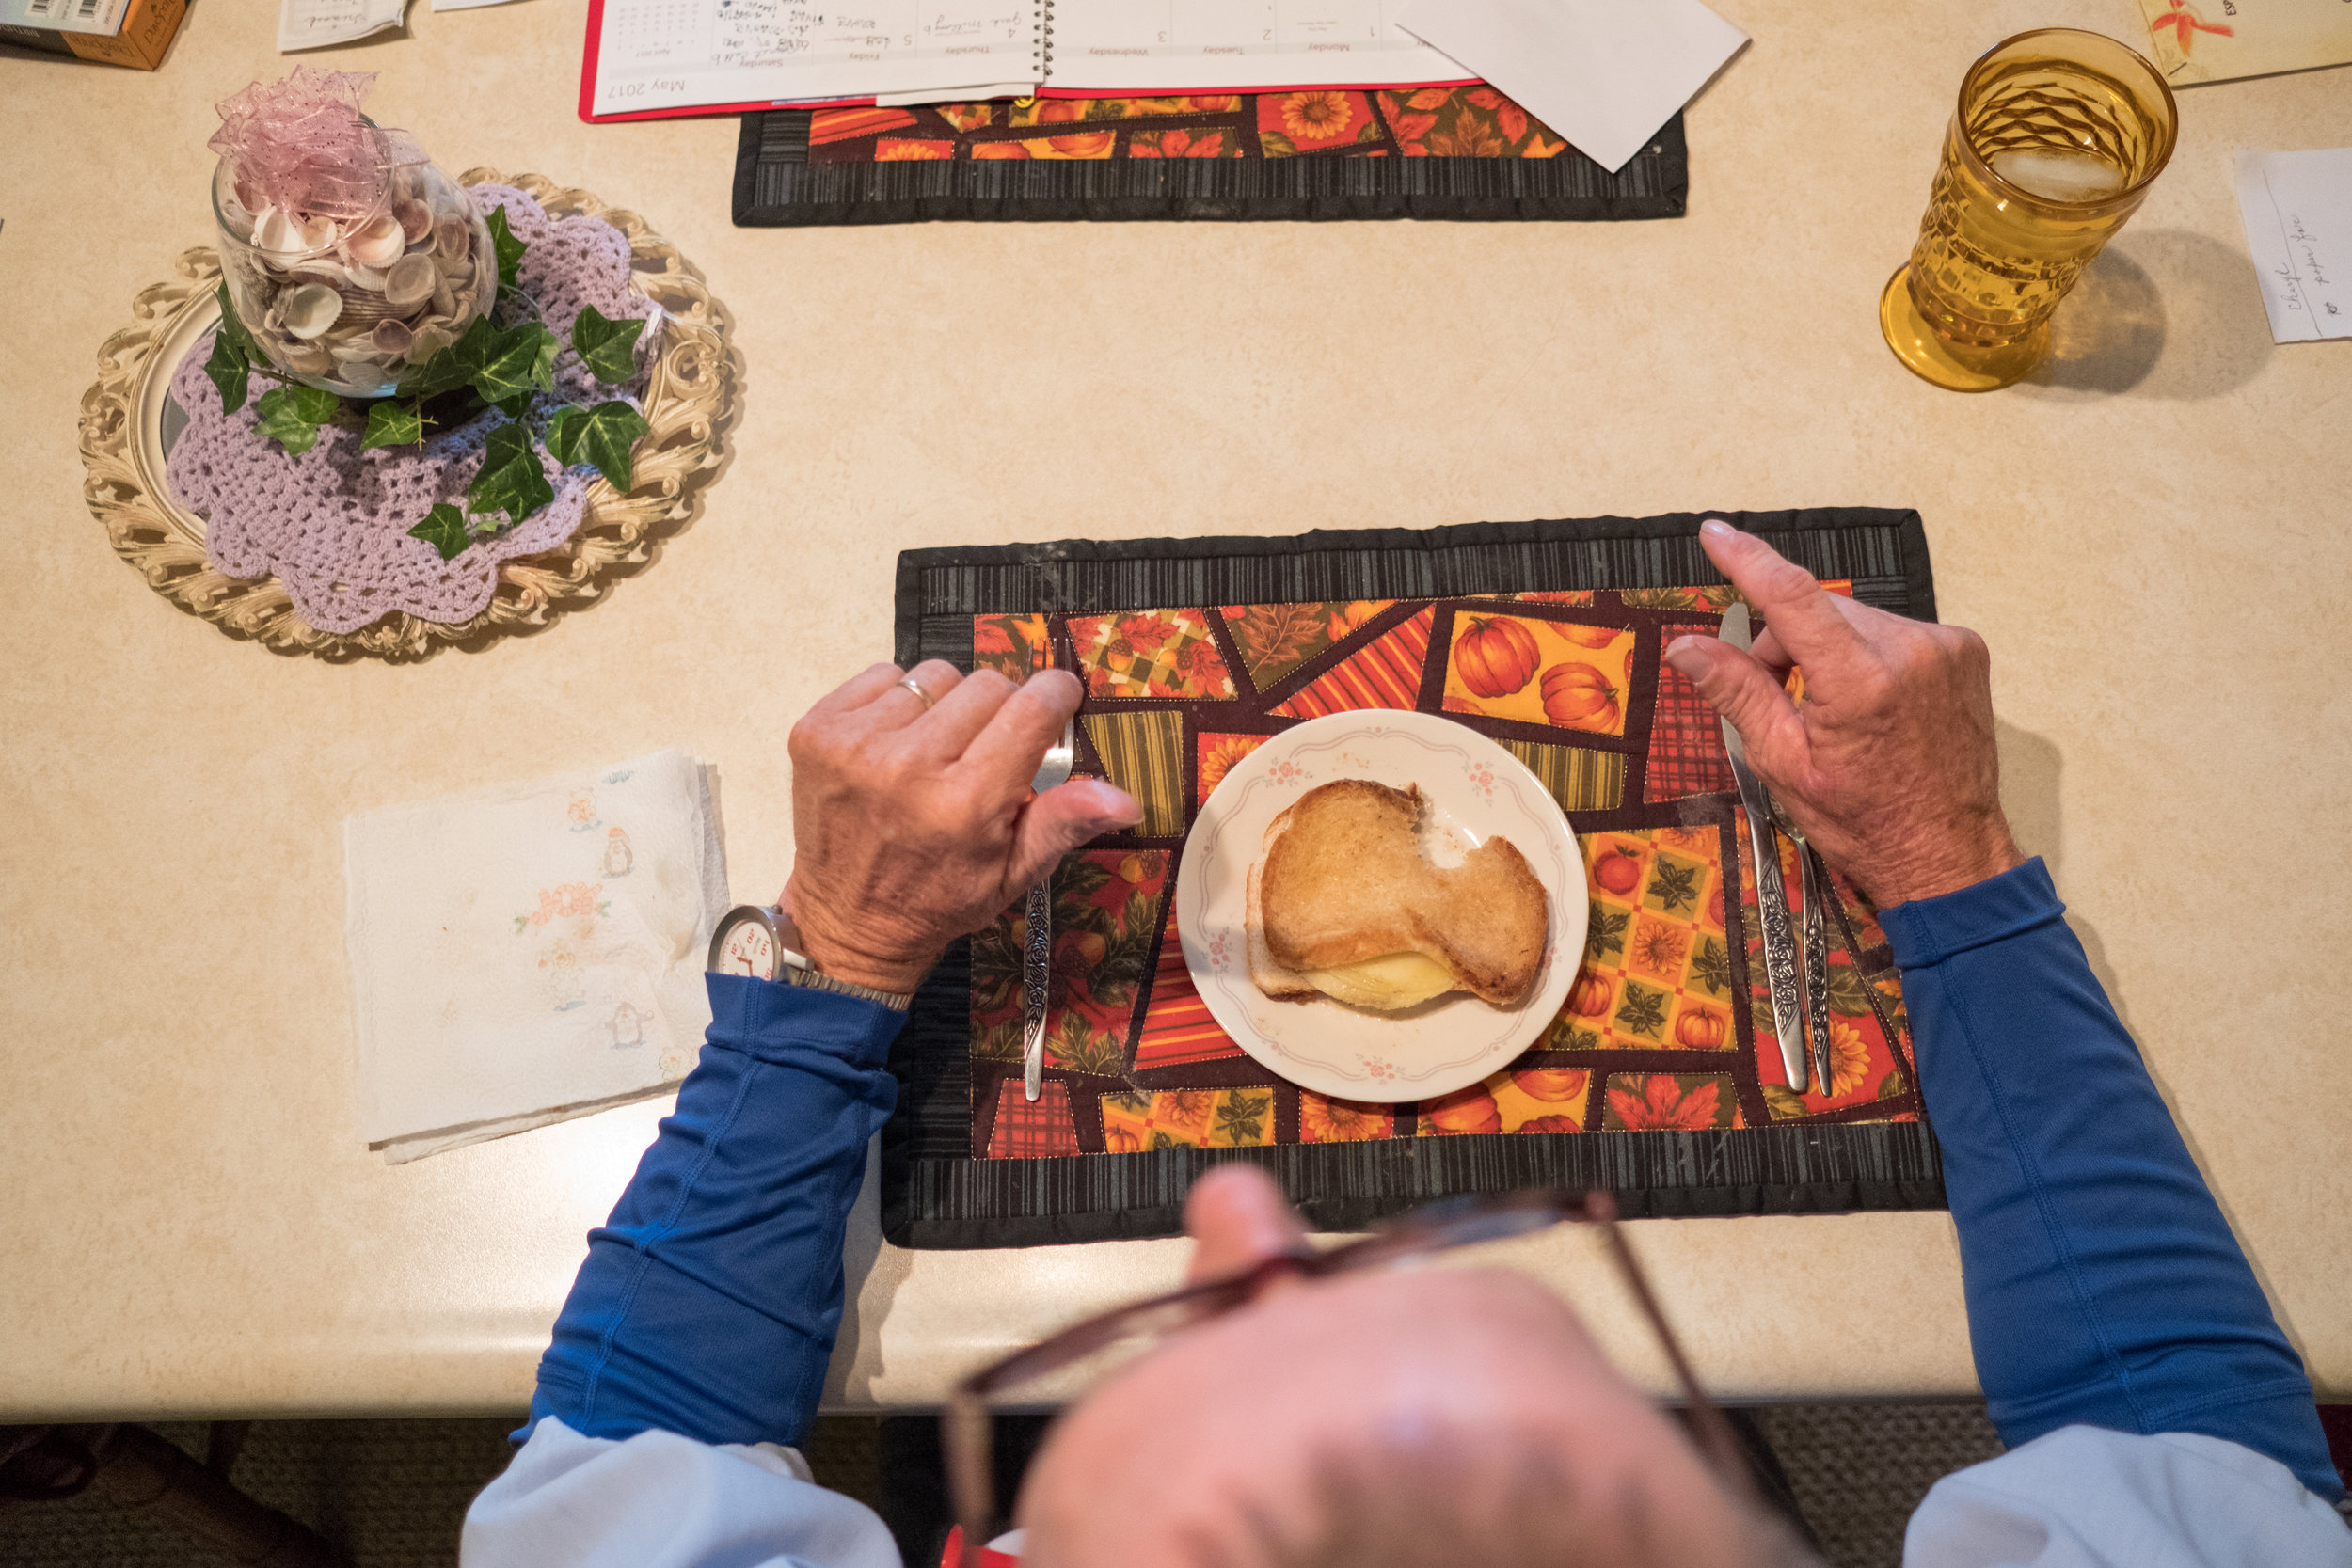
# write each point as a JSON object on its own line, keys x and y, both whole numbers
{"x": 1476, "y": 791}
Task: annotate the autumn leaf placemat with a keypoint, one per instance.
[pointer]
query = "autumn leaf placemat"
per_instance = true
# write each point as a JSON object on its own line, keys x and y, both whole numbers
{"x": 1661, "y": 1080}
{"x": 1465, "y": 152}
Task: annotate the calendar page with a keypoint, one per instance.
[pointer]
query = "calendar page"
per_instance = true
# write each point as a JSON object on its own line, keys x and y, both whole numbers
{"x": 1236, "y": 45}
{"x": 655, "y": 55}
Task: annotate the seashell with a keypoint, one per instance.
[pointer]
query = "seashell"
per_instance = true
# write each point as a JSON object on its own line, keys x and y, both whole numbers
{"x": 280, "y": 234}
{"x": 363, "y": 309}
{"x": 308, "y": 311}
{"x": 444, "y": 298}
{"x": 416, "y": 220}
{"x": 430, "y": 340}
{"x": 410, "y": 280}
{"x": 354, "y": 350}
{"x": 377, "y": 242}
{"x": 368, "y": 278}
{"x": 308, "y": 360}
{"x": 318, "y": 269}
{"x": 393, "y": 337}
{"x": 450, "y": 236}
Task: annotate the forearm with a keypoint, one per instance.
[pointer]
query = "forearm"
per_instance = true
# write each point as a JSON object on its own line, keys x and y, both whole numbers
{"x": 709, "y": 1303}
{"x": 2104, "y": 1285}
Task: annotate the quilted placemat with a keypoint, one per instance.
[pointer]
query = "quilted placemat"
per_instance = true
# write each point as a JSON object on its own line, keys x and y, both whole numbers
{"x": 1429, "y": 153}
{"x": 1661, "y": 1080}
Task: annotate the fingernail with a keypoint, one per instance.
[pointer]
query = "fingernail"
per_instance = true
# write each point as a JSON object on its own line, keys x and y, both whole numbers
{"x": 1716, "y": 528}
{"x": 1113, "y": 806}
{"x": 1687, "y": 657}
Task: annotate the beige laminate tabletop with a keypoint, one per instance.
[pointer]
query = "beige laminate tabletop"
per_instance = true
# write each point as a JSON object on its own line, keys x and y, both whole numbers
{"x": 2155, "y": 537}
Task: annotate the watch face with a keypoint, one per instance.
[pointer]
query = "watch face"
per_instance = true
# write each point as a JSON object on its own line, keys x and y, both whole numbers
{"x": 748, "y": 948}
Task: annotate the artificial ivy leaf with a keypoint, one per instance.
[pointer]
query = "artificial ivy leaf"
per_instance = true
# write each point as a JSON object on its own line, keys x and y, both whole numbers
{"x": 444, "y": 529}
{"x": 239, "y": 337}
{"x": 290, "y": 414}
{"x": 605, "y": 435}
{"x": 514, "y": 407}
{"x": 513, "y": 363}
{"x": 453, "y": 367}
{"x": 510, "y": 249}
{"x": 394, "y": 423}
{"x": 228, "y": 371}
{"x": 608, "y": 348}
{"x": 510, "y": 480}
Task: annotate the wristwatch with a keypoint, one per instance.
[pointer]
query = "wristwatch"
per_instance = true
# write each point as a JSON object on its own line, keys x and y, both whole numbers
{"x": 757, "y": 939}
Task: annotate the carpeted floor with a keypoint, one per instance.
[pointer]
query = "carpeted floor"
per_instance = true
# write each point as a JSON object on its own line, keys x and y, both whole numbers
{"x": 392, "y": 1493}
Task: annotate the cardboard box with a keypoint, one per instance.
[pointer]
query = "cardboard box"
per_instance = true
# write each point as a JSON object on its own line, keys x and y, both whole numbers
{"x": 134, "y": 33}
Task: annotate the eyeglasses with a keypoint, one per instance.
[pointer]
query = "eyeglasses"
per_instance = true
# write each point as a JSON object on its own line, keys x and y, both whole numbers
{"x": 968, "y": 1423}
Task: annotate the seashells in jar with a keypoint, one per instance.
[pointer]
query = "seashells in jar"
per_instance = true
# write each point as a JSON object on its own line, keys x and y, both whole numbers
{"x": 353, "y": 303}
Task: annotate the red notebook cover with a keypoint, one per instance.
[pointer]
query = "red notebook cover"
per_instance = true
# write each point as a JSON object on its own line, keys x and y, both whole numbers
{"x": 596, "y": 30}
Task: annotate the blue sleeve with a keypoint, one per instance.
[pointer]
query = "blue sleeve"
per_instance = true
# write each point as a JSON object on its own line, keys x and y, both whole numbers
{"x": 709, "y": 1300}
{"x": 2104, "y": 1285}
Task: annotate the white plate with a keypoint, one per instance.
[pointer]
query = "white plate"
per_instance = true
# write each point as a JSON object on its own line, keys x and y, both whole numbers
{"x": 1478, "y": 790}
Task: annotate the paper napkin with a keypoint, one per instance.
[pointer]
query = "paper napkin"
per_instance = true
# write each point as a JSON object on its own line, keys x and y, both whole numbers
{"x": 530, "y": 954}
{"x": 1604, "y": 73}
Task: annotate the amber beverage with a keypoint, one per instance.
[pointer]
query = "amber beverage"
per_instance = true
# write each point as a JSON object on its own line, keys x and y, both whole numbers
{"x": 2058, "y": 136}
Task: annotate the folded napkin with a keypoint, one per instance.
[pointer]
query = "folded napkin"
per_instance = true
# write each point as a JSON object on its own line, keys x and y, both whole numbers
{"x": 1604, "y": 73}
{"x": 531, "y": 953}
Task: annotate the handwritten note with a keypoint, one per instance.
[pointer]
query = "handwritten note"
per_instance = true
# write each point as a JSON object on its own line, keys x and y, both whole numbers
{"x": 2297, "y": 208}
{"x": 316, "y": 23}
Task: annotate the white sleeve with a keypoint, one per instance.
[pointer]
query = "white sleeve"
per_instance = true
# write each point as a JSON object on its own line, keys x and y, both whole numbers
{"x": 2087, "y": 1497}
{"x": 660, "y": 1500}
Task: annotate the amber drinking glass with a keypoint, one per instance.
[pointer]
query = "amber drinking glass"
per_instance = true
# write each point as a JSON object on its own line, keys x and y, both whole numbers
{"x": 2057, "y": 138}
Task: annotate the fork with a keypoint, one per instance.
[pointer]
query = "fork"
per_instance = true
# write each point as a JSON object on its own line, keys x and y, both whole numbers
{"x": 1037, "y": 967}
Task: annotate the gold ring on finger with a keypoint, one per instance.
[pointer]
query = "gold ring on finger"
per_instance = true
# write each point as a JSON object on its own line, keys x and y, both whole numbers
{"x": 916, "y": 686}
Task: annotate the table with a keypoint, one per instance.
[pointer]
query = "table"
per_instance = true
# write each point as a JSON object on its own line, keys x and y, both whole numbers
{"x": 2152, "y": 537}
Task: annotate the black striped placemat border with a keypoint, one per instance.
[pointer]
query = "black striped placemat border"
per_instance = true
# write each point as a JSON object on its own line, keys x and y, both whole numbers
{"x": 775, "y": 185}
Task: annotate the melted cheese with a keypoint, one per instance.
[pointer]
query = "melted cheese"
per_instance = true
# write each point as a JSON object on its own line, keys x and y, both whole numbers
{"x": 1386, "y": 984}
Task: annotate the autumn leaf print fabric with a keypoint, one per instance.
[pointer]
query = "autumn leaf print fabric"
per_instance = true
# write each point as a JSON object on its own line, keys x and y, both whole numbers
{"x": 1667, "y": 1025}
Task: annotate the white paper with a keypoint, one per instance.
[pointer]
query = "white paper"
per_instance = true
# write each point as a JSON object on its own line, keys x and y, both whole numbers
{"x": 684, "y": 53}
{"x": 315, "y": 24}
{"x": 2297, "y": 208}
{"x": 1237, "y": 46}
{"x": 972, "y": 93}
{"x": 466, "y": 5}
{"x": 532, "y": 954}
{"x": 1603, "y": 73}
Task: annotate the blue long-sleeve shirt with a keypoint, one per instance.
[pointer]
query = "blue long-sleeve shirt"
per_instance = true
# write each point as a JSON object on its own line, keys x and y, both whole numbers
{"x": 2105, "y": 1294}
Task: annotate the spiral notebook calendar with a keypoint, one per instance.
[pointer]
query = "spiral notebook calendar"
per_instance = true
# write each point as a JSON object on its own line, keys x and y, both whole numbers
{"x": 654, "y": 59}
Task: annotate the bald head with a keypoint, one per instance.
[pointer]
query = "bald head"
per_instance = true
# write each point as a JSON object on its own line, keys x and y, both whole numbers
{"x": 1466, "y": 1412}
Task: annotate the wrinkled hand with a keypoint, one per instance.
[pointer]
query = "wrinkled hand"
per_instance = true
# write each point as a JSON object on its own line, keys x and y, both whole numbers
{"x": 911, "y": 828}
{"x": 1888, "y": 763}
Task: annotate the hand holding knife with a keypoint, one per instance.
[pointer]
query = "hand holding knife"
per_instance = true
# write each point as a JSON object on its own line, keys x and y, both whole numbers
{"x": 1772, "y": 898}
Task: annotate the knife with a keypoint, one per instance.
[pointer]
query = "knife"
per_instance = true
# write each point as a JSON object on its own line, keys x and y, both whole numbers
{"x": 1771, "y": 897}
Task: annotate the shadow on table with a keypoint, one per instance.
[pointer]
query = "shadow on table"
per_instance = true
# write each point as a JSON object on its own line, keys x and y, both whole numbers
{"x": 2162, "y": 313}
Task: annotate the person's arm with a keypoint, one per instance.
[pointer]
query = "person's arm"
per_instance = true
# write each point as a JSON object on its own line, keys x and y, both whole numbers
{"x": 709, "y": 1302}
{"x": 2104, "y": 1285}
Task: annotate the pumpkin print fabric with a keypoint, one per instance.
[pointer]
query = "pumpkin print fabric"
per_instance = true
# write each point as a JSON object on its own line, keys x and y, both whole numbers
{"x": 1667, "y": 1025}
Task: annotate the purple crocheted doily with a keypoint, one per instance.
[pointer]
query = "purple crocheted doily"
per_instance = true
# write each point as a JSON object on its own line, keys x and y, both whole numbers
{"x": 332, "y": 524}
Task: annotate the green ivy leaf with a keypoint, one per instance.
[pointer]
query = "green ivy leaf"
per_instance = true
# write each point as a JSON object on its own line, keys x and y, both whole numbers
{"x": 511, "y": 479}
{"x": 444, "y": 529}
{"x": 453, "y": 367}
{"x": 241, "y": 339}
{"x": 290, "y": 414}
{"x": 520, "y": 362}
{"x": 510, "y": 249}
{"x": 229, "y": 369}
{"x": 605, "y": 435}
{"x": 608, "y": 348}
{"x": 392, "y": 423}
{"x": 514, "y": 407}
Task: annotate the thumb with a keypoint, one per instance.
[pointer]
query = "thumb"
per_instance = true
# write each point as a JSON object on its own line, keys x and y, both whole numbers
{"x": 1238, "y": 1218}
{"x": 1737, "y": 685}
{"x": 1062, "y": 818}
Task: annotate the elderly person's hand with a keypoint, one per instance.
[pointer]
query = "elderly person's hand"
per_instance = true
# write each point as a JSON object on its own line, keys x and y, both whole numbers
{"x": 914, "y": 824}
{"x": 1888, "y": 763}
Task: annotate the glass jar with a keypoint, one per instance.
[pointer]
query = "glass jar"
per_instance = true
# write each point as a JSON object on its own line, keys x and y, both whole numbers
{"x": 353, "y": 305}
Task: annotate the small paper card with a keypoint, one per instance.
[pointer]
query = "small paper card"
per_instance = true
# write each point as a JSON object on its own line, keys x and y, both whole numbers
{"x": 1604, "y": 73}
{"x": 316, "y": 23}
{"x": 2214, "y": 40}
{"x": 2297, "y": 208}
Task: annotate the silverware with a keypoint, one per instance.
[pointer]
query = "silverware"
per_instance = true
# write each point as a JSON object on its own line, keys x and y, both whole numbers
{"x": 1037, "y": 964}
{"x": 1810, "y": 884}
{"x": 1771, "y": 895}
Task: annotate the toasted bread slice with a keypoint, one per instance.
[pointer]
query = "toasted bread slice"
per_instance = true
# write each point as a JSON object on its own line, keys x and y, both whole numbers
{"x": 1343, "y": 887}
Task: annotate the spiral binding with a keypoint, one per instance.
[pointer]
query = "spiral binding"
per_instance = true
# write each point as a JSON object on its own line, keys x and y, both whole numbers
{"x": 1043, "y": 56}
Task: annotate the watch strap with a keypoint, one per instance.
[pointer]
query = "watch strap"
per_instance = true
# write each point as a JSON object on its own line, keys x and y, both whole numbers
{"x": 793, "y": 967}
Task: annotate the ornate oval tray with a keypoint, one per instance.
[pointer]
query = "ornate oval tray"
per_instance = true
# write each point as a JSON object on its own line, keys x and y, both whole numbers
{"x": 128, "y": 422}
